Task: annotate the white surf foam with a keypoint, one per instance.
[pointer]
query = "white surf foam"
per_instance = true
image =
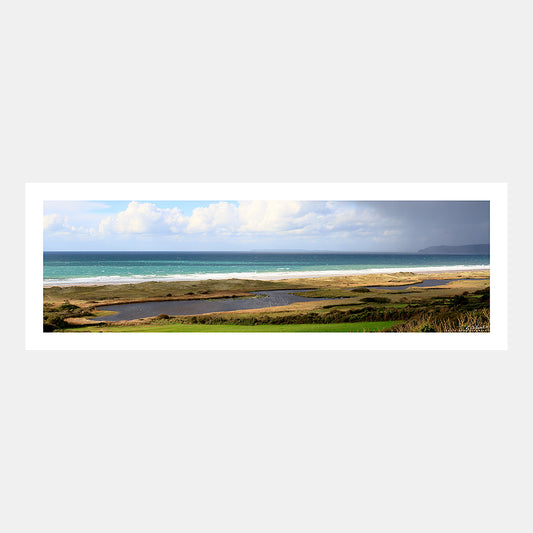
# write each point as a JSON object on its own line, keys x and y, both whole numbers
{"x": 112, "y": 280}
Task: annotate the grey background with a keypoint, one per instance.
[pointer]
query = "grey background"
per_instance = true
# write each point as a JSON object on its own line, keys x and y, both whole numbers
{"x": 263, "y": 441}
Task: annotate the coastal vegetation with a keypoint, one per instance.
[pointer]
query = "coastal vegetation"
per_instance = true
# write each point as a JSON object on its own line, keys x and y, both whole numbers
{"x": 462, "y": 305}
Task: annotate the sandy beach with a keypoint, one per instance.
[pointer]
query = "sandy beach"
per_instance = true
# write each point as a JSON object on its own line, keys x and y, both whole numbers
{"x": 326, "y": 276}
{"x": 279, "y": 276}
{"x": 392, "y": 278}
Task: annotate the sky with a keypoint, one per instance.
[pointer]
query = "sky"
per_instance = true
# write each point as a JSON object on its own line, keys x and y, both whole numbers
{"x": 348, "y": 226}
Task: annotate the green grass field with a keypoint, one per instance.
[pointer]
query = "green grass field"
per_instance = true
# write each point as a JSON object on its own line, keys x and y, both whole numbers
{"x": 229, "y": 328}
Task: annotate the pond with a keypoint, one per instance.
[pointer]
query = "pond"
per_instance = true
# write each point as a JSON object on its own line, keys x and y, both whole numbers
{"x": 425, "y": 283}
{"x": 196, "y": 307}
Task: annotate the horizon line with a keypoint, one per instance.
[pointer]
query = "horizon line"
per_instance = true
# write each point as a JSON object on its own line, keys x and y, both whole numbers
{"x": 259, "y": 251}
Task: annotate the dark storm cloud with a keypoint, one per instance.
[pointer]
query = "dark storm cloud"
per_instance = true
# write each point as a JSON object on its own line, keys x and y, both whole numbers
{"x": 434, "y": 223}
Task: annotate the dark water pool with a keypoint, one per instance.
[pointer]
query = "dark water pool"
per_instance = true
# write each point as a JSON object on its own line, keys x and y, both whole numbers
{"x": 425, "y": 283}
{"x": 196, "y": 307}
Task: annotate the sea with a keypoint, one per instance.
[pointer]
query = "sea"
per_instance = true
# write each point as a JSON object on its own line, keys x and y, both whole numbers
{"x": 91, "y": 268}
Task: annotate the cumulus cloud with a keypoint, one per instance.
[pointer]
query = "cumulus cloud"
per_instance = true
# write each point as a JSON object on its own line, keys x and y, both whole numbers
{"x": 221, "y": 217}
{"x": 245, "y": 218}
{"x": 142, "y": 218}
{"x": 54, "y": 222}
{"x": 271, "y": 216}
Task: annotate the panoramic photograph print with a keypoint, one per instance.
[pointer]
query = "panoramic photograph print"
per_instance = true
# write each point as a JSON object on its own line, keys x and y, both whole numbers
{"x": 182, "y": 266}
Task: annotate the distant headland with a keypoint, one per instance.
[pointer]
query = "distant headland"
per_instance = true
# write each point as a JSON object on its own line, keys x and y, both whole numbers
{"x": 467, "y": 249}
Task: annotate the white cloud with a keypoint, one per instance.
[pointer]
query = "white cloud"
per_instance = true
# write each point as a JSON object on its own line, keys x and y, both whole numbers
{"x": 217, "y": 218}
{"x": 142, "y": 218}
{"x": 54, "y": 222}
{"x": 244, "y": 219}
{"x": 175, "y": 219}
{"x": 59, "y": 225}
{"x": 221, "y": 217}
{"x": 270, "y": 216}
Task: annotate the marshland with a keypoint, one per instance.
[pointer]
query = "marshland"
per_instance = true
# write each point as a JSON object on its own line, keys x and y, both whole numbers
{"x": 455, "y": 301}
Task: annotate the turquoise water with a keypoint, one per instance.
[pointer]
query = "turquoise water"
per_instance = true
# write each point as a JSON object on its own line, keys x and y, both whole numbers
{"x": 68, "y": 268}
